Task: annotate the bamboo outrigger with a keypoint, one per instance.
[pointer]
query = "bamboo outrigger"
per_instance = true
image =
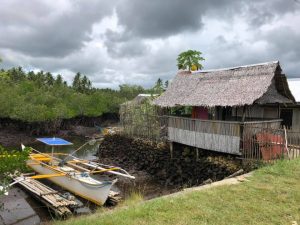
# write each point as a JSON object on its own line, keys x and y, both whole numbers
{"x": 73, "y": 175}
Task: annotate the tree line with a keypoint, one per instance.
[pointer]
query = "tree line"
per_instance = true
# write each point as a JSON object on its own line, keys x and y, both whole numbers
{"x": 42, "y": 97}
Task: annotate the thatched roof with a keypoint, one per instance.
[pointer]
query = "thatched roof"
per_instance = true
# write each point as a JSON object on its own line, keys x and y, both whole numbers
{"x": 140, "y": 99}
{"x": 244, "y": 85}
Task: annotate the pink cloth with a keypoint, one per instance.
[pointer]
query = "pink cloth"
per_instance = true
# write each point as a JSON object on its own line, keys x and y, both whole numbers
{"x": 200, "y": 113}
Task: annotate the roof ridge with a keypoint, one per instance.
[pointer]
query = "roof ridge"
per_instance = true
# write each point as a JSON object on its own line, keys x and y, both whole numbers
{"x": 236, "y": 67}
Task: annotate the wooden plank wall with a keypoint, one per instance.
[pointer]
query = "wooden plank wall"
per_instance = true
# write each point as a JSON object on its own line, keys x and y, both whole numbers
{"x": 221, "y": 136}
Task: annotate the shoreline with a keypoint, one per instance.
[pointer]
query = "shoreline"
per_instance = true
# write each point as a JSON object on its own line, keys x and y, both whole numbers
{"x": 12, "y": 137}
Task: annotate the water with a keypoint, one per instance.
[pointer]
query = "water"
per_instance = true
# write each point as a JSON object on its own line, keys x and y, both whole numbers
{"x": 86, "y": 152}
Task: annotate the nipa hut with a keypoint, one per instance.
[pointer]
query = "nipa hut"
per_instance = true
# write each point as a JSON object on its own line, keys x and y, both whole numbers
{"x": 138, "y": 117}
{"x": 223, "y": 101}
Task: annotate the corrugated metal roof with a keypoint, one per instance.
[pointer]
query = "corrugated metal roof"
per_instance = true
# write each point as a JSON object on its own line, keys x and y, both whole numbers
{"x": 294, "y": 85}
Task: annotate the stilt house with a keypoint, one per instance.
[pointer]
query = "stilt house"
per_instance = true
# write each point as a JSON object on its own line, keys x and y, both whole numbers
{"x": 224, "y": 102}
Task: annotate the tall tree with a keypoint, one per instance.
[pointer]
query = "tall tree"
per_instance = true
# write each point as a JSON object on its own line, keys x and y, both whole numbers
{"x": 166, "y": 84}
{"x": 158, "y": 87}
{"x": 31, "y": 75}
{"x": 40, "y": 78}
{"x": 190, "y": 60}
{"x": 76, "y": 81}
{"x": 86, "y": 84}
{"x": 49, "y": 79}
{"x": 16, "y": 74}
{"x": 59, "y": 80}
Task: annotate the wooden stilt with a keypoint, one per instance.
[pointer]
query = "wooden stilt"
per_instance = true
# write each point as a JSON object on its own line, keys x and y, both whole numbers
{"x": 244, "y": 114}
{"x": 171, "y": 149}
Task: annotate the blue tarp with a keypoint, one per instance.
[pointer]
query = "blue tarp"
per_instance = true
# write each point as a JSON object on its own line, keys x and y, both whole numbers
{"x": 54, "y": 141}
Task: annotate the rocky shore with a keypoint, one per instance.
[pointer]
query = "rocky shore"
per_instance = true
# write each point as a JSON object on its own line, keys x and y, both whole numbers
{"x": 183, "y": 170}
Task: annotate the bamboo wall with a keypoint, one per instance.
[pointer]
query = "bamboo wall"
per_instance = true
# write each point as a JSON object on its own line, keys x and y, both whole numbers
{"x": 143, "y": 121}
{"x": 221, "y": 136}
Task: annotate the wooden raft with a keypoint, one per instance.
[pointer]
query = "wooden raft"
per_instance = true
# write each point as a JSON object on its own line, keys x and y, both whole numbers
{"x": 48, "y": 196}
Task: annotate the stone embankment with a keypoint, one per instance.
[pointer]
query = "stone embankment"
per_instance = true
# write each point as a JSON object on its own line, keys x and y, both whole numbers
{"x": 183, "y": 170}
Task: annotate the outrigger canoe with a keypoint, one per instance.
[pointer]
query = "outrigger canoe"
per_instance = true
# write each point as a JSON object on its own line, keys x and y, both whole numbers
{"x": 73, "y": 175}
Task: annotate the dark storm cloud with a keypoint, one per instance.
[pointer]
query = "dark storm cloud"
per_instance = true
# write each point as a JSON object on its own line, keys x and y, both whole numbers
{"x": 260, "y": 12}
{"x": 284, "y": 42}
{"x": 123, "y": 44}
{"x": 37, "y": 29}
{"x": 142, "y": 38}
{"x": 157, "y": 19}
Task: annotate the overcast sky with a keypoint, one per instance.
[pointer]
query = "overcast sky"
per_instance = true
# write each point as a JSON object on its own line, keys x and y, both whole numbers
{"x": 137, "y": 41}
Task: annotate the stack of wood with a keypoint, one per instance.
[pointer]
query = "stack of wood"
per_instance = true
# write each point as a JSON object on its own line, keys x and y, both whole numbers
{"x": 48, "y": 196}
{"x": 113, "y": 198}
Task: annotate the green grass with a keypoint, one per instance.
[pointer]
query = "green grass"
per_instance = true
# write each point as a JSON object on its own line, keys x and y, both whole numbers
{"x": 271, "y": 197}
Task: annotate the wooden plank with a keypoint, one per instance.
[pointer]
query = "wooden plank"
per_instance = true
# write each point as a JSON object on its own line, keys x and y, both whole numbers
{"x": 48, "y": 196}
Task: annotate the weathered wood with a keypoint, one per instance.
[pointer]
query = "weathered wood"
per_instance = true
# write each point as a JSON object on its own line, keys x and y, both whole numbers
{"x": 113, "y": 198}
{"x": 171, "y": 149}
{"x": 239, "y": 172}
{"x": 221, "y": 136}
{"x": 48, "y": 196}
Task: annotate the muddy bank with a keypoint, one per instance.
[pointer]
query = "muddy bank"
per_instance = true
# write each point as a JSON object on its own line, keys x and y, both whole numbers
{"x": 14, "y": 132}
{"x": 12, "y": 136}
{"x": 153, "y": 162}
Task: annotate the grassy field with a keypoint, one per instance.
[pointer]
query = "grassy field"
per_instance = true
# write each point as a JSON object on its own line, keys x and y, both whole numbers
{"x": 271, "y": 197}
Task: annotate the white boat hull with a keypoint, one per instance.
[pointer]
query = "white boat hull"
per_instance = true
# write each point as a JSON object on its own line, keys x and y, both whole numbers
{"x": 97, "y": 194}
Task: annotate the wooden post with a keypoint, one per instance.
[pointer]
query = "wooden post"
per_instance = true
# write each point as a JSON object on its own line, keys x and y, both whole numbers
{"x": 197, "y": 154}
{"x": 171, "y": 149}
{"x": 244, "y": 113}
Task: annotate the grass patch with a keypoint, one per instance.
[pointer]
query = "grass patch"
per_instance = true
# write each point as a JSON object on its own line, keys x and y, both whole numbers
{"x": 133, "y": 199}
{"x": 271, "y": 197}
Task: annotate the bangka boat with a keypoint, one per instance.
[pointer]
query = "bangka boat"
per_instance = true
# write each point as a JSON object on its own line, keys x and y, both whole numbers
{"x": 73, "y": 174}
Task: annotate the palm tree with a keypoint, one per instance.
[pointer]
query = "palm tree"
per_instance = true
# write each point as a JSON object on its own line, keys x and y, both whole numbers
{"x": 190, "y": 59}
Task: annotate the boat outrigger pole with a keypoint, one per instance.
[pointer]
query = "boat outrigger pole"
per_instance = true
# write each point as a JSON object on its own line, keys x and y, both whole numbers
{"x": 86, "y": 165}
{"x": 90, "y": 142}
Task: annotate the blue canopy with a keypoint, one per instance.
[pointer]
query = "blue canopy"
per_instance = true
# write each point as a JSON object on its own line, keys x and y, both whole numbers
{"x": 54, "y": 141}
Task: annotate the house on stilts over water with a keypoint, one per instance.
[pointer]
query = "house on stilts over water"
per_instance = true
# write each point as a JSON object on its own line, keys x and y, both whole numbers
{"x": 229, "y": 107}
